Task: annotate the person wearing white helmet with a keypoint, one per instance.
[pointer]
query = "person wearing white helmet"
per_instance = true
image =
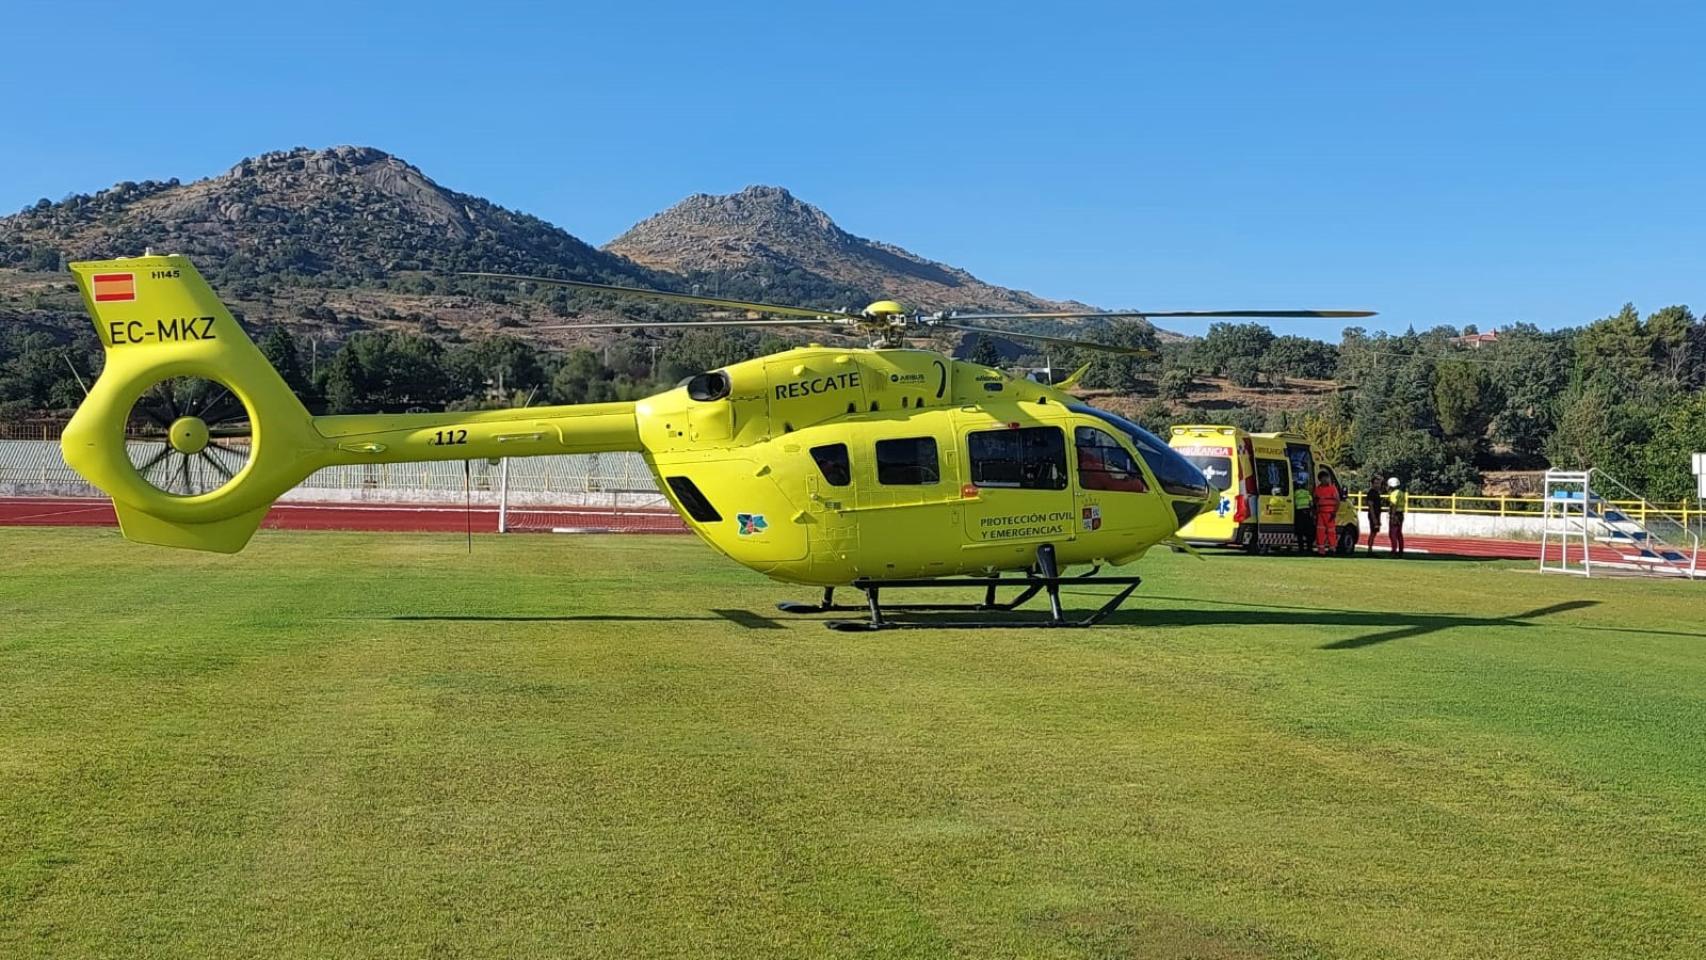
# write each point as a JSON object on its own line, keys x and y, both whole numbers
{"x": 1396, "y": 503}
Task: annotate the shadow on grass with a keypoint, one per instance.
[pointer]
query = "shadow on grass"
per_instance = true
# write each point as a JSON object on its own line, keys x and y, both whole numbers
{"x": 1388, "y": 625}
{"x": 1391, "y": 625}
{"x": 1363, "y": 554}
{"x": 1556, "y": 608}
{"x": 1397, "y": 626}
{"x": 740, "y": 618}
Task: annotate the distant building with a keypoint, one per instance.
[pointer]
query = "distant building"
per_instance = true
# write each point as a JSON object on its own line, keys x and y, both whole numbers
{"x": 1476, "y": 341}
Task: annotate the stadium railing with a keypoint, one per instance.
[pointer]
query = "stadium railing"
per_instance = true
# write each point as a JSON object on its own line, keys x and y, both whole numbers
{"x": 1474, "y": 506}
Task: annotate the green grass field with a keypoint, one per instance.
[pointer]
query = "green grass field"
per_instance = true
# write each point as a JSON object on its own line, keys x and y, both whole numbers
{"x": 376, "y": 745}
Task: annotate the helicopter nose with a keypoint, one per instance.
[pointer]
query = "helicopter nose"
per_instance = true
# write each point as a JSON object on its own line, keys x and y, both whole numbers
{"x": 1187, "y": 509}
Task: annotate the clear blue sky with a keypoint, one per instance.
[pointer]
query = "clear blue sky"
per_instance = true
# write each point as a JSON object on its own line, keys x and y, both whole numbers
{"x": 1440, "y": 162}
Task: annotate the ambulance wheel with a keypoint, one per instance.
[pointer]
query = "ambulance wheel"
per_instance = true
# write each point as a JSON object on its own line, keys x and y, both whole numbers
{"x": 1348, "y": 537}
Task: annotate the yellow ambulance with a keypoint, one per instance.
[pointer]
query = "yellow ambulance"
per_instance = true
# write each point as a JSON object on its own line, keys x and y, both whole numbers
{"x": 1255, "y": 475}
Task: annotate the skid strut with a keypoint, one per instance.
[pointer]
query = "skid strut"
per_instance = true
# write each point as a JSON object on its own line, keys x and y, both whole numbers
{"x": 1045, "y": 576}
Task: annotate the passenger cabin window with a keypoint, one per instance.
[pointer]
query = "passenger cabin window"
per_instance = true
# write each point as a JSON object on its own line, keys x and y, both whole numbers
{"x": 1105, "y": 465}
{"x": 1029, "y": 458}
{"x": 907, "y": 462}
{"x": 832, "y": 462}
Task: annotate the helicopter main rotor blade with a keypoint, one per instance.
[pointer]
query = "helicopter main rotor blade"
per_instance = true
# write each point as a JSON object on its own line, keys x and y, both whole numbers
{"x": 674, "y": 297}
{"x": 1048, "y": 315}
{"x": 1091, "y": 315}
{"x": 654, "y": 324}
{"x": 1039, "y": 338}
{"x": 1270, "y": 314}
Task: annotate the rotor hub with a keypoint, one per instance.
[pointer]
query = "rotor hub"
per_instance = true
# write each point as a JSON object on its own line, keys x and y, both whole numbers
{"x": 188, "y": 435}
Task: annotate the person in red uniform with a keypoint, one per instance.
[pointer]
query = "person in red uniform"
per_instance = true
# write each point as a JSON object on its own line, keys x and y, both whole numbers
{"x": 1326, "y": 512}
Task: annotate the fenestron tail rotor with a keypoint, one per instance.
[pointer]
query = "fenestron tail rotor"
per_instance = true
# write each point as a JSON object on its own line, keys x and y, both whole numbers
{"x": 888, "y": 323}
{"x": 187, "y": 436}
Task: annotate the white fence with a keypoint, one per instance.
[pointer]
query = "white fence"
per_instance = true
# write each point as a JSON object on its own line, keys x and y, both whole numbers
{"x": 601, "y": 480}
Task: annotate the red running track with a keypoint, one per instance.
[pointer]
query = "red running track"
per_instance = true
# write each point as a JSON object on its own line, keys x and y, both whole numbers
{"x": 93, "y": 512}
{"x": 440, "y": 518}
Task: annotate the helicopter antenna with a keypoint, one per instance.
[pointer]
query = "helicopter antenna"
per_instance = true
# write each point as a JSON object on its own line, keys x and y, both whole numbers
{"x": 66, "y": 354}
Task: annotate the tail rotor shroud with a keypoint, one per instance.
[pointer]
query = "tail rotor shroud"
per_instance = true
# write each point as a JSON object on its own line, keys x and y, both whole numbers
{"x": 188, "y": 436}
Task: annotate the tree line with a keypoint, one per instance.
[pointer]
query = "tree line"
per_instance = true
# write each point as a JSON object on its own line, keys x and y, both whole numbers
{"x": 1626, "y": 393}
{"x": 394, "y": 371}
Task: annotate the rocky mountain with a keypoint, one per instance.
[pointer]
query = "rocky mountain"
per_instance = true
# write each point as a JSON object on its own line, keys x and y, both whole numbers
{"x": 350, "y": 237}
{"x": 336, "y": 217}
{"x": 763, "y": 239}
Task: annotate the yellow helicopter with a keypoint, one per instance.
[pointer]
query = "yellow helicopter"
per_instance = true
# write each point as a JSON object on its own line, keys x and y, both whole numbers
{"x": 877, "y": 467}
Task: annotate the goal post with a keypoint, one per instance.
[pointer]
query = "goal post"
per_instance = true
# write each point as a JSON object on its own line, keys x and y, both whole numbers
{"x": 582, "y": 493}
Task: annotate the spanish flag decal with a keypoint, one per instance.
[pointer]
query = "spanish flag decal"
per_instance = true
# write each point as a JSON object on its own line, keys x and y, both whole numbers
{"x": 114, "y": 286}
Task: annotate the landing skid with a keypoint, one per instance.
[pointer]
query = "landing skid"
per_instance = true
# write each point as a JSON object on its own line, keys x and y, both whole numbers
{"x": 1044, "y": 577}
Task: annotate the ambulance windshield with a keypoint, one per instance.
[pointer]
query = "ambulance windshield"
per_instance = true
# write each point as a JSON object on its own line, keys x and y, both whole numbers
{"x": 1217, "y": 470}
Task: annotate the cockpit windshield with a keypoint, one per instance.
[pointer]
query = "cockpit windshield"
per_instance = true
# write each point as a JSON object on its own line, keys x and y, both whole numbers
{"x": 1175, "y": 474}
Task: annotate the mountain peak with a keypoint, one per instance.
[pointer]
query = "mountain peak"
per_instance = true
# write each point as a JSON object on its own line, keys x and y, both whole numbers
{"x": 765, "y": 232}
{"x": 765, "y": 191}
{"x": 331, "y": 161}
{"x": 344, "y": 213}
{"x": 758, "y": 211}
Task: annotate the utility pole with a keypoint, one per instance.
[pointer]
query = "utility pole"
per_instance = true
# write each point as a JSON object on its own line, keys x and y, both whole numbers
{"x": 1700, "y": 480}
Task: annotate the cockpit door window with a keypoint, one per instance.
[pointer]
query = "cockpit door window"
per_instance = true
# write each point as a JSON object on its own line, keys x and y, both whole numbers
{"x": 1105, "y": 465}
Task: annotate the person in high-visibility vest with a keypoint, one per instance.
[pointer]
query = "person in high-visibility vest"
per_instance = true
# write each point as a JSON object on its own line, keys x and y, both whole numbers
{"x": 1302, "y": 512}
{"x": 1327, "y": 496}
{"x": 1397, "y": 501}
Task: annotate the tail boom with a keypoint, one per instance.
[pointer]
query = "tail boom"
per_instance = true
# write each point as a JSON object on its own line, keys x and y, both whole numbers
{"x": 473, "y": 435}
